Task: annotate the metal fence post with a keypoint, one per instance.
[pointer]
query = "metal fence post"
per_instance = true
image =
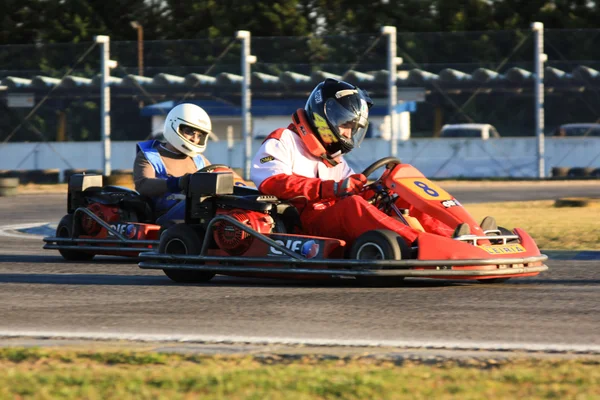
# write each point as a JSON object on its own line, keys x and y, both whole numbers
{"x": 392, "y": 62}
{"x": 540, "y": 58}
{"x": 106, "y": 65}
{"x": 247, "y": 60}
{"x": 230, "y": 145}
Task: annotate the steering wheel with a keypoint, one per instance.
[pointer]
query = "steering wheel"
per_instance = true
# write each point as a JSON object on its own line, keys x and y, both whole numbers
{"x": 389, "y": 162}
{"x": 380, "y": 193}
{"x": 212, "y": 167}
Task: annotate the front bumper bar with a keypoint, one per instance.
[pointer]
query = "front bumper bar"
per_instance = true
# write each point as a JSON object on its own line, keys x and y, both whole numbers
{"x": 285, "y": 265}
{"x": 293, "y": 263}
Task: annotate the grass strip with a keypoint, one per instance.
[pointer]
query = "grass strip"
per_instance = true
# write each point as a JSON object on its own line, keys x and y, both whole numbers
{"x": 67, "y": 374}
{"x": 570, "y": 228}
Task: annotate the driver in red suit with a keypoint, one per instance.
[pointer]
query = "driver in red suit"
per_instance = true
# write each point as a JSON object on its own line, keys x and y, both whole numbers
{"x": 304, "y": 163}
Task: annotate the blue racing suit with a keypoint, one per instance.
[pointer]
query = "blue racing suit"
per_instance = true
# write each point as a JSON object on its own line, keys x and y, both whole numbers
{"x": 173, "y": 209}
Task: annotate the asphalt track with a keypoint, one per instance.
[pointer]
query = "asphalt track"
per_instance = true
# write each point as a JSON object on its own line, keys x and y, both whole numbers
{"x": 111, "y": 298}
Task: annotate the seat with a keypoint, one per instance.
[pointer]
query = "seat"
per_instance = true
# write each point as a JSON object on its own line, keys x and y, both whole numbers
{"x": 255, "y": 202}
{"x": 124, "y": 198}
{"x": 244, "y": 191}
{"x": 289, "y": 216}
{"x": 142, "y": 206}
{"x": 119, "y": 189}
{"x": 110, "y": 195}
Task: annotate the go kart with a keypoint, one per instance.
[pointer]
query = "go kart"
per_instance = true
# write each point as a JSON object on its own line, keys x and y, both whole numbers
{"x": 261, "y": 236}
{"x": 109, "y": 220}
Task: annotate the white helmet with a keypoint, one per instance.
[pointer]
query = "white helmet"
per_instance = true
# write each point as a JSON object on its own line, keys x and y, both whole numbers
{"x": 190, "y": 115}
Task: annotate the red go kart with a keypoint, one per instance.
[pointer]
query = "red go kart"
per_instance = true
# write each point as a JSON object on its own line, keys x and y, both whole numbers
{"x": 258, "y": 235}
{"x": 111, "y": 220}
{"x": 108, "y": 220}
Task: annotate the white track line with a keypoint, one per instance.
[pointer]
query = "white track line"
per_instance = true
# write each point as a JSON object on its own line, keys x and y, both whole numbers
{"x": 9, "y": 230}
{"x": 442, "y": 345}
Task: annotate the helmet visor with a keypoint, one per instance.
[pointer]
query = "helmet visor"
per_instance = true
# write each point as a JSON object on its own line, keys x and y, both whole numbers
{"x": 349, "y": 122}
{"x": 193, "y": 134}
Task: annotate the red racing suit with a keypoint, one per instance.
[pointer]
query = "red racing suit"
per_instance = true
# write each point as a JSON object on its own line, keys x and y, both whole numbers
{"x": 283, "y": 167}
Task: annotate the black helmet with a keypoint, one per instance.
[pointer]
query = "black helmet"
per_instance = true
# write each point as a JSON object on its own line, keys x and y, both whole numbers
{"x": 334, "y": 104}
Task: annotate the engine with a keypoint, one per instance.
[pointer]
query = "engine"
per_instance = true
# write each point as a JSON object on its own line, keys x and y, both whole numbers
{"x": 106, "y": 213}
{"x": 236, "y": 241}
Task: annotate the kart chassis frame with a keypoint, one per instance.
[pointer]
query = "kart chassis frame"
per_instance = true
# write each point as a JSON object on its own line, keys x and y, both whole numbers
{"x": 57, "y": 243}
{"x": 294, "y": 263}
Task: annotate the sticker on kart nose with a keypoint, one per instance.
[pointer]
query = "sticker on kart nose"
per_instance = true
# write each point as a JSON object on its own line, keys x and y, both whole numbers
{"x": 127, "y": 230}
{"x": 425, "y": 188}
{"x": 506, "y": 249}
{"x": 451, "y": 203}
{"x": 308, "y": 248}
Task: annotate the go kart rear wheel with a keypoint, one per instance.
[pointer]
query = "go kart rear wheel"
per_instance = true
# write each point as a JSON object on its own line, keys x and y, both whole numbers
{"x": 379, "y": 244}
{"x": 164, "y": 227}
{"x": 65, "y": 229}
{"x": 182, "y": 239}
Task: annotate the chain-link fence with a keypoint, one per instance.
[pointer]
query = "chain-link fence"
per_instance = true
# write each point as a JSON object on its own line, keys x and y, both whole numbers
{"x": 51, "y": 92}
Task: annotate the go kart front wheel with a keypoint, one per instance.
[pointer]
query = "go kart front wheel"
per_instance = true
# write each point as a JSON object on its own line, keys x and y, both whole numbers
{"x": 66, "y": 229}
{"x": 182, "y": 239}
{"x": 379, "y": 244}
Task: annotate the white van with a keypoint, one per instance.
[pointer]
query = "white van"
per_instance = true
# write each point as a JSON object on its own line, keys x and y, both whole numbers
{"x": 474, "y": 131}
{"x": 582, "y": 129}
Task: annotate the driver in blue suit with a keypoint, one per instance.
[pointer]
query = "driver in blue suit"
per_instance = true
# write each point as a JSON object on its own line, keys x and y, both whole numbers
{"x": 162, "y": 169}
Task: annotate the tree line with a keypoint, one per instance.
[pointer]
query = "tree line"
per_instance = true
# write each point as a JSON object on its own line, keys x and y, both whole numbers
{"x": 68, "y": 21}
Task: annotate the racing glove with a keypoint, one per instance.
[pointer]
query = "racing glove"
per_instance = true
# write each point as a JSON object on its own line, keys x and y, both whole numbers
{"x": 349, "y": 186}
{"x": 178, "y": 184}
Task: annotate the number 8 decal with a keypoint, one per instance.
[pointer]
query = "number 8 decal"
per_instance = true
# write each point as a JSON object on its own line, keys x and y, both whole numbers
{"x": 430, "y": 191}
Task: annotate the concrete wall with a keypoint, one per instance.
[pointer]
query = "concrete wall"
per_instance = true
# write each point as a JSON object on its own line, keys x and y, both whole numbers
{"x": 436, "y": 158}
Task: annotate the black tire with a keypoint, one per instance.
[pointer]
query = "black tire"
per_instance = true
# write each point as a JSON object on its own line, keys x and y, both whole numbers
{"x": 560, "y": 172}
{"x": 65, "y": 230}
{"x": 9, "y": 186}
{"x": 379, "y": 244}
{"x": 41, "y": 176}
{"x": 185, "y": 240}
{"x": 120, "y": 178}
{"x": 165, "y": 226}
{"x": 162, "y": 230}
{"x": 580, "y": 172}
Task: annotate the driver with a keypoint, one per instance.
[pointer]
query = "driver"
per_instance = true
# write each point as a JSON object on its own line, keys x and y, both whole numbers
{"x": 305, "y": 160}
{"x": 161, "y": 169}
